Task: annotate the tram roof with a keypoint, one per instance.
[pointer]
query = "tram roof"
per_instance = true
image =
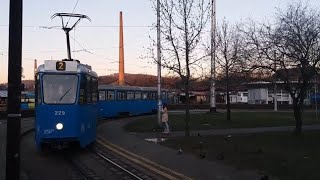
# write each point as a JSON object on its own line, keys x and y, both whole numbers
{"x": 4, "y": 93}
{"x": 132, "y": 88}
{"x": 75, "y": 66}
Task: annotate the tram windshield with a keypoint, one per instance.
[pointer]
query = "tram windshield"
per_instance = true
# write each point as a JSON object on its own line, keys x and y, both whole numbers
{"x": 59, "y": 89}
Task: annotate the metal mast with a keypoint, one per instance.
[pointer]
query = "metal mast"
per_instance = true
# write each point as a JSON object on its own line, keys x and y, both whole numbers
{"x": 213, "y": 56}
{"x": 14, "y": 91}
{"x": 68, "y": 29}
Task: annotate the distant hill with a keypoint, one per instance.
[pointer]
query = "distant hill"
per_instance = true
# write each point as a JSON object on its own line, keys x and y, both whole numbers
{"x": 152, "y": 81}
{"x": 133, "y": 80}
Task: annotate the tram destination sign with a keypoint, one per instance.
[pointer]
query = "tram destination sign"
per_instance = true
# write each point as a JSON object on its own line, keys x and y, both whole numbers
{"x": 60, "y": 66}
{"x": 53, "y": 65}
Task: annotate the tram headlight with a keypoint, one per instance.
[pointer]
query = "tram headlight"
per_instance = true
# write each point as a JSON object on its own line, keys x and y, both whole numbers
{"x": 59, "y": 126}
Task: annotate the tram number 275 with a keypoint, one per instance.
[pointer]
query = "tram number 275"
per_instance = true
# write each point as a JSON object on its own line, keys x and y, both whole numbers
{"x": 59, "y": 113}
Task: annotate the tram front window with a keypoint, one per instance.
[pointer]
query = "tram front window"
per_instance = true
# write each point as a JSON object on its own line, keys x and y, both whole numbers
{"x": 59, "y": 89}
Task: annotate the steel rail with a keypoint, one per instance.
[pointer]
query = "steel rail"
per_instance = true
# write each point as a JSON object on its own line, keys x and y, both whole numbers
{"x": 118, "y": 166}
{"x": 81, "y": 172}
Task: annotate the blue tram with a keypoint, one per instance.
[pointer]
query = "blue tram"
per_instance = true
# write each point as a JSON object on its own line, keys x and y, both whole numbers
{"x": 128, "y": 100}
{"x": 27, "y": 101}
{"x": 66, "y": 104}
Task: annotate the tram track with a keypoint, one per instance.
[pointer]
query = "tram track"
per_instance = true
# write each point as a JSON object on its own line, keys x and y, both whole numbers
{"x": 109, "y": 160}
{"x": 81, "y": 171}
{"x": 92, "y": 163}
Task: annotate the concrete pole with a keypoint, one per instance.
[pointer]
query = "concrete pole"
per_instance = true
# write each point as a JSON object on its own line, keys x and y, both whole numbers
{"x": 275, "y": 97}
{"x": 315, "y": 97}
{"x": 159, "y": 62}
{"x": 213, "y": 55}
{"x": 121, "y": 53}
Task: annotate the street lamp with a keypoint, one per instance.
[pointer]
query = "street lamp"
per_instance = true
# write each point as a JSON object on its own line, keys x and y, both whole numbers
{"x": 159, "y": 62}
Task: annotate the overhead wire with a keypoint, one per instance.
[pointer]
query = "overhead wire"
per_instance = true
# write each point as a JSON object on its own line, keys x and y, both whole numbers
{"x": 89, "y": 26}
{"x": 73, "y": 11}
{"x": 87, "y": 51}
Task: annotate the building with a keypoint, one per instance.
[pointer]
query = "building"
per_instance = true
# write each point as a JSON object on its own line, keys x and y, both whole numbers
{"x": 263, "y": 93}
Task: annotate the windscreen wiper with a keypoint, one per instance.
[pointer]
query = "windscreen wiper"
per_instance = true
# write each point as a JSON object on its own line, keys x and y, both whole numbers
{"x": 64, "y": 94}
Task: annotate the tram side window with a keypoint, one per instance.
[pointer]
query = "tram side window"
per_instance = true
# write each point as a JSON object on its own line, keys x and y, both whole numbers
{"x": 152, "y": 96}
{"x": 110, "y": 95}
{"x": 82, "y": 94}
{"x": 38, "y": 90}
{"x": 88, "y": 91}
{"x": 102, "y": 95}
{"x": 149, "y": 96}
{"x": 23, "y": 98}
{"x": 137, "y": 95}
{"x": 144, "y": 95}
{"x": 94, "y": 89}
{"x": 130, "y": 95}
{"x": 121, "y": 95}
{"x": 164, "y": 95}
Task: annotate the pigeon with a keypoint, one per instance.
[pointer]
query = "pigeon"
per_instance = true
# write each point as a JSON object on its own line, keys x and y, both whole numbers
{"x": 202, "y": 155}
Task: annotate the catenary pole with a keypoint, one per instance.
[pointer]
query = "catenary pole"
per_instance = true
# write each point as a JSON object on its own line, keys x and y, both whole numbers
{"x": 315, "y": 96}
{"x": 14, "y": 91}
{"x": 213, "y": 56}
{"x": 159, "y": 62}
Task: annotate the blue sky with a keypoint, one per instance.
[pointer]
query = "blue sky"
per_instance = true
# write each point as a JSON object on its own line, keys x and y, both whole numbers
{"x": 101, "y": 39}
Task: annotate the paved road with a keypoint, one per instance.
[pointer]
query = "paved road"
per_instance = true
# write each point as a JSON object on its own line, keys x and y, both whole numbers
{"x": 118, "y": 136}
{"x": 3, "y": 132}
{"x": 186, "y": 164}
{"x": 26, "y": 124}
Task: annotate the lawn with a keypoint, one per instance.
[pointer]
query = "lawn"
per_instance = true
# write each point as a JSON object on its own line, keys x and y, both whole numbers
{"x": 279, "y": 154}
{"x": 202, "y": 121}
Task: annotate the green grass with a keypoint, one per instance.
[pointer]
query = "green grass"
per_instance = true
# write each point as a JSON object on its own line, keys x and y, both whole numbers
{"x": 205, "y": 121}
{"x": 279, "y": 154}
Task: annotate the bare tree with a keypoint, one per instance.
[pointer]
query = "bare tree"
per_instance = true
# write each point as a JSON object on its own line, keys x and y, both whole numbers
{"x": 182, "y": 31}
{"x": 229, "y": 52}
{"x": 290, "y": 47}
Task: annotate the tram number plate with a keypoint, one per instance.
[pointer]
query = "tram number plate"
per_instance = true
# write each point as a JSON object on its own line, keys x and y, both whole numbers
{"x": 59, "y": 113}
{"x": 48, "y": 131}
{"x": 61, "y": 66}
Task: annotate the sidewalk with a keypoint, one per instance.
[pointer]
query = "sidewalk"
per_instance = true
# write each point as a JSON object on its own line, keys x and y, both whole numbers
{"x": 234, "y": 131}
{"x": 186, "y": 164}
